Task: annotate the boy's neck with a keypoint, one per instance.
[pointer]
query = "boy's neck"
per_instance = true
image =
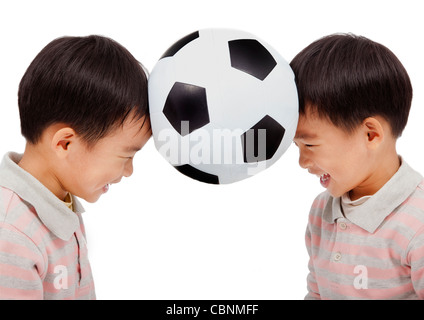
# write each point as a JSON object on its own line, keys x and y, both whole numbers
{"x": 379, "y": 175}
{"x": 36, "y": 162}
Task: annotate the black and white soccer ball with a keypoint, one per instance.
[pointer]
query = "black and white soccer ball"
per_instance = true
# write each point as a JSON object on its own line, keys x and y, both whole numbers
{"x": 223, "y": 105}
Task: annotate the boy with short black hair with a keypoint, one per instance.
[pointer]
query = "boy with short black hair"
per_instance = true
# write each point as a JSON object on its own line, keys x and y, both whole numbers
{"x": 84, "y": 114}
{"x": 365, "y": 236}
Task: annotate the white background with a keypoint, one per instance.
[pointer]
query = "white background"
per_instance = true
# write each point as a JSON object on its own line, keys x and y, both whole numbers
{"x": 159, "y": 234}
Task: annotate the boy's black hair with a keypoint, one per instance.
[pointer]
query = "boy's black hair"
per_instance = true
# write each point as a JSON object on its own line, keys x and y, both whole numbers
{"x": 90, "y": 83}
{"x": 347, "y": 78}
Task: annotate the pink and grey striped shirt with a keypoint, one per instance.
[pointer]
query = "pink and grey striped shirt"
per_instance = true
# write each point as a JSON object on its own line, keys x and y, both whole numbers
{"x": 43, "y": 252}
{"x": 376, "y": 250}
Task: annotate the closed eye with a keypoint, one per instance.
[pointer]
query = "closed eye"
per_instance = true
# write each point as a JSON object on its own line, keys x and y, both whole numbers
{"x": 306, "y": 145}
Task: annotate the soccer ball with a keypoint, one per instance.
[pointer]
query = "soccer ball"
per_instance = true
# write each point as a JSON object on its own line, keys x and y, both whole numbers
{"x": 223, "y": 105}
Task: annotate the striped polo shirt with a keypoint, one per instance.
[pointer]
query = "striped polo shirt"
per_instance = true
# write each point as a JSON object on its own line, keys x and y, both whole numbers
{"x": 43, "y": 251}
{"x": 374, "y": 250}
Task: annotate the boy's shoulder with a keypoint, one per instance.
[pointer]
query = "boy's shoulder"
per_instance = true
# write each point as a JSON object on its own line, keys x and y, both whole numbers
{"x": 23, "y": 198}
{"x": 321, "y": 209}
{"x": 406, "y": 212}
{"x": 14, "y": 210}
{"x": 420, "y": 188}
{"x": 414, "y": 204}
{"x": 321, "y": 201}
{"x": 19, "y": 216}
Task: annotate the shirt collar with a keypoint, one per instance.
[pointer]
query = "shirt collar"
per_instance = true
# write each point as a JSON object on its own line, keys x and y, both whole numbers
{"x": 372, "y": 213}
{"x": 54, "y": 214}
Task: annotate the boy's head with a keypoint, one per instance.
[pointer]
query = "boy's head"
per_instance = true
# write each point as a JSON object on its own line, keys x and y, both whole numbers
{"x": 90, "y": 83}
{"x": 83, "y": 107}
{"x": 347, "y": 78}
{"x": 354, "y": 102}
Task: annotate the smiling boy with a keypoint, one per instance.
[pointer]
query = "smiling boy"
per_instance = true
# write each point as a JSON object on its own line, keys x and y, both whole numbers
{"x": 84, "y": 114}
{"x": 365, "y": 236}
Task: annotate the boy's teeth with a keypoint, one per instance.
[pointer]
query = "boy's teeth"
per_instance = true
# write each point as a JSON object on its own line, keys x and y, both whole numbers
{"x": 325, "y": 180}
{"x": 325, "y": 176}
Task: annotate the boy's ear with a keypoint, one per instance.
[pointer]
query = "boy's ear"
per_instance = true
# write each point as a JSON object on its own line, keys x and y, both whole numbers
{"x": 374, "y": 131}
{"x": 63, "y": 139}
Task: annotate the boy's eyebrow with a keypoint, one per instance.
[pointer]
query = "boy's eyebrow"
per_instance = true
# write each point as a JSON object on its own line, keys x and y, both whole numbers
{"x": 132, "y": 149}
{"x": 305, "y": 136}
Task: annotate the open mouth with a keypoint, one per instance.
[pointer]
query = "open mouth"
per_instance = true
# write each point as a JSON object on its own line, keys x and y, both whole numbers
{"x": 324, "y": 179}
{"x": 106, "y": 188}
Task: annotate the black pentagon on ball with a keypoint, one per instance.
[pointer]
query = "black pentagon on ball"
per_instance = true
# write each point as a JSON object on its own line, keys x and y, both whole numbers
{"x": 186, "y": 104}
{"x": 197, "y": 174}
{"x": 260, "y": 142}
{"x": 177, "y": 46}
{"x": 250, "y": 56}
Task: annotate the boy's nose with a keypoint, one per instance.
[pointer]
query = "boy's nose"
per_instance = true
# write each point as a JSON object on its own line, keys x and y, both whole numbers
{"x": 304, "y": 161}
{"x": 129, "y": 169}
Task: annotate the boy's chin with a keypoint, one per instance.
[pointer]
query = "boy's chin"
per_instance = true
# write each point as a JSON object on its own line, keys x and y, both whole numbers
{"x": 91, "y": 198}
{"x": 336, "y": 193}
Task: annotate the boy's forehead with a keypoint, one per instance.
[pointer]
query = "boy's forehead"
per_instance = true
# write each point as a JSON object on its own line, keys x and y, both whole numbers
{"x": 307, "y": 127}
{"x": 311, "y": 126}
